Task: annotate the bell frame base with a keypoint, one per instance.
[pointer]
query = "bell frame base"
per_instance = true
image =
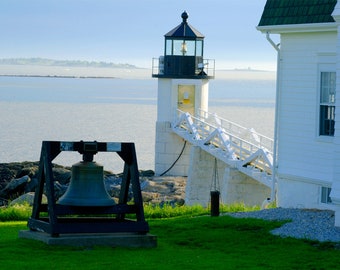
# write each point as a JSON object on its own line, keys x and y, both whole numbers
{"x": 129, "y": 240}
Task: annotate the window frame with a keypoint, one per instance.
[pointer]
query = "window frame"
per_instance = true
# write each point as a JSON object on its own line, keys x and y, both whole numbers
{"x": 325, "y": 195}
{"x": 330, "y": 106}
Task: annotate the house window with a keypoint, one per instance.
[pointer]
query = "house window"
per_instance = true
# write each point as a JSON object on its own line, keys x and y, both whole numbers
{"x": 327, "y": 103}
{"x": 325, "y": 191}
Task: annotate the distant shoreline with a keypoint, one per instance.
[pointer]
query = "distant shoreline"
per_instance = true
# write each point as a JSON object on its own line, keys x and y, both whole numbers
{"x": 35, "y": 71}
{"x": 22, "y": 71}
{"x": 58, "y": 76}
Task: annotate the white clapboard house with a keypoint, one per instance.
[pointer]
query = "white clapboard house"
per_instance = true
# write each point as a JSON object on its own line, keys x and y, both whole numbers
{"x": 307, "y": 126}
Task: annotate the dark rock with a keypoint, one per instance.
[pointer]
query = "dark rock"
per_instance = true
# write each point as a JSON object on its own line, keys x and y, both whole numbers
{"x": 6, "y": 175}
{"x": 16, "y": 186}
{"x": 151, "y": 197}
{"x": 31, "y": 185}
{"x": 31, "y": 170}
{"x": 146, "y": 173}
{"x": 27, "y": 198}
{"x": 10, "y": 171}
{"x": 62, "y": 175}
{"x": 59, "y": 189}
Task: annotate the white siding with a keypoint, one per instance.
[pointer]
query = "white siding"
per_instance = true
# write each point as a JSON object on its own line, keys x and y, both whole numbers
{"x": 301, "y": 152}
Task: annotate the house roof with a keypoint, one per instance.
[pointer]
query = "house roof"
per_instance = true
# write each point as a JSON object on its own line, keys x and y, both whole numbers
{"x": 288, "y": 12}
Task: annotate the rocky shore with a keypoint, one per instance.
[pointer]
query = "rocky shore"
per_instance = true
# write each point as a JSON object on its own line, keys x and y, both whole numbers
{"x": 18, "y": 181}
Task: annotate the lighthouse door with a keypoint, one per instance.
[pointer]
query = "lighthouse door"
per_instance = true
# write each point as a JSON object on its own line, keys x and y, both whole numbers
{"x": 186, "y": 98}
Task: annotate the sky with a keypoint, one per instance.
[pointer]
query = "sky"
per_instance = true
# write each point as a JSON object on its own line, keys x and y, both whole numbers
{"x": 132, "y": 31}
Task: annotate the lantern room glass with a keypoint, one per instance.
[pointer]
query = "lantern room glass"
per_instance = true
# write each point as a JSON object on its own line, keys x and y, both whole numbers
{"x": 168, "y": 47}
{"x": 182, "y": 47}
{"x": 199, "y": 47}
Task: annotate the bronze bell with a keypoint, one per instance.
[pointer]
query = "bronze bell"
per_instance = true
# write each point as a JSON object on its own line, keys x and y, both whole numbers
{"x": 87, "y": 186}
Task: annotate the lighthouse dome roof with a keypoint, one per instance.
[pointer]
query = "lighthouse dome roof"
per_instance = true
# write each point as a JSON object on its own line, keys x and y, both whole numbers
{"x": 184, "y": 30}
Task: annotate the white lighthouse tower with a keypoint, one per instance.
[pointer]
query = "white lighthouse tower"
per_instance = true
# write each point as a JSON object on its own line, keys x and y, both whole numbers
{"x": 183, "y": 84}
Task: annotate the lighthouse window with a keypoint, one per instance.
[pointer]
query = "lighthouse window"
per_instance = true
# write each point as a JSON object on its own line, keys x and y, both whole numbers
{"x": 199, "y": 48}
{"x": 184, "y": 47}
{"x": 190, "y": 47}
{"x": 168, "y": 47}
{"x": 327, "y": 103}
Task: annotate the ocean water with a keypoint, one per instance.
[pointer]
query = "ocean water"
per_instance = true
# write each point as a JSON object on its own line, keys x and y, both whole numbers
{"x": 34, "y": 109}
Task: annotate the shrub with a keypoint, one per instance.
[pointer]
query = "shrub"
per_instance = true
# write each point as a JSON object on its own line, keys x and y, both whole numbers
{"x": 15, "y": 212}
{"x": 21, "y": 212}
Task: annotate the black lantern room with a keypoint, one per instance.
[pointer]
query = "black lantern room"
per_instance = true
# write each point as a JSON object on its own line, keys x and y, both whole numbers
{"x": 183, "y": 54}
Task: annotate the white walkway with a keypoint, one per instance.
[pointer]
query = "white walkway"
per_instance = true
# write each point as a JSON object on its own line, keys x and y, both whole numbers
{"x": 239, "y": 147}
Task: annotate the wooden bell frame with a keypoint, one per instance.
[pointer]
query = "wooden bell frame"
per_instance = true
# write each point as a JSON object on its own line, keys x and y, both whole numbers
{"x": 55, "y": 219}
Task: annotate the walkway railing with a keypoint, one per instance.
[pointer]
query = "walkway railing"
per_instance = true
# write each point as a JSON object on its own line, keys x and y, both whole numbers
{"x": 247, "y": 134}
{"x": 239, "y": 147}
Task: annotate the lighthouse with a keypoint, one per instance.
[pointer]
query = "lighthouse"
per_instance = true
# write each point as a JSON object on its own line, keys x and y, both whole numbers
{"x": 183, "y": 85}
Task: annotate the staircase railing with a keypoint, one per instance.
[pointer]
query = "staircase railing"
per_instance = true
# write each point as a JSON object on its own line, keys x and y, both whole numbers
{"x": 248, "y": 134}
{"x": 237, "y": 146}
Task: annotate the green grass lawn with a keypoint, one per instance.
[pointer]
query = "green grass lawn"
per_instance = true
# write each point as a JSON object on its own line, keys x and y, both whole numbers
{"x": 196, "y": 242}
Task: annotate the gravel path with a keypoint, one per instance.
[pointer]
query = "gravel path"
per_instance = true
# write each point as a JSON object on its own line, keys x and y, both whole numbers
{"x": 305, "y": 223}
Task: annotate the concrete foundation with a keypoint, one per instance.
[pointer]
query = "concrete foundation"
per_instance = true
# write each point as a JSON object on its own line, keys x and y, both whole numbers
{"x": 88, "y": 240}
{"x": 239, "y": 187}
{"x": 200, "y": 177}
{"x": 234, "y": 186}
